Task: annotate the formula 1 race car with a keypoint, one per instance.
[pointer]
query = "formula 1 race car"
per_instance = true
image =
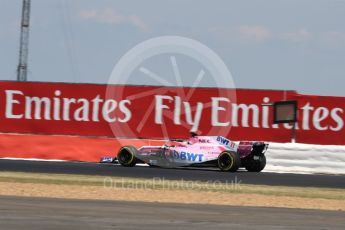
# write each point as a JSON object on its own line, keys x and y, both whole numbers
{"x": 197, "y": 151}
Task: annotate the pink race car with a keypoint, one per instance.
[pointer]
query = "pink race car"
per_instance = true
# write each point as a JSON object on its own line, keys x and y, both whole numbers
{"x": 197, "y": 151}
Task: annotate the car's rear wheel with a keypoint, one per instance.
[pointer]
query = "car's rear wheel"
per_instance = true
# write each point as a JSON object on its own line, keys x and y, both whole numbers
{"x": 256, "y": 165}
{"x": 229, "y": 161}
{"x": 126, "y": 156}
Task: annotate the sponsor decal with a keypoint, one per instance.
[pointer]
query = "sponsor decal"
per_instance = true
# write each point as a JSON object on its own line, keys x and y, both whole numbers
{"x": 204, "y": 141}
{"x": 188, "y": 156}
{"x": 207, "y": 147}
{"x": 60, "y": 109}
{"x": 225, "y": 141}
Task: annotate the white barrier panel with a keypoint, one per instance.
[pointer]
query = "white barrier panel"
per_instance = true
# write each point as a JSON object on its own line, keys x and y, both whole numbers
{"x": 305, "y": 158}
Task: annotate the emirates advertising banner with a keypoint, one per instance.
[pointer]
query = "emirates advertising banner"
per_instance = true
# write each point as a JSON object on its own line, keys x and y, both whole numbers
{"x": 166, "y": 109}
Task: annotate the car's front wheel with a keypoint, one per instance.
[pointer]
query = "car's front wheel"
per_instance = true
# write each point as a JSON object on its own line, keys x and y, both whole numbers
{"x": 126, "y": 156}
{"x": 229, "y": 161}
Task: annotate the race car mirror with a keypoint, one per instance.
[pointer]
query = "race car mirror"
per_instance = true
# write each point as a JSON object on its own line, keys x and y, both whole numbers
{"x": 285, "y": 112}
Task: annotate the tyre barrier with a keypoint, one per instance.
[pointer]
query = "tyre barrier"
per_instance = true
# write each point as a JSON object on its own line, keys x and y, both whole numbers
{"x": 305, "y": 158}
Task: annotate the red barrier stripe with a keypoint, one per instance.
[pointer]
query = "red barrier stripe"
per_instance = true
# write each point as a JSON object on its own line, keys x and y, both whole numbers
{"x": 63, "y": 147}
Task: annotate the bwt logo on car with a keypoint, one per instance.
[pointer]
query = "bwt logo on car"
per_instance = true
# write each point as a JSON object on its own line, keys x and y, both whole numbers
{"x": 223, "y": 140}
{"x": 187, "y": 156}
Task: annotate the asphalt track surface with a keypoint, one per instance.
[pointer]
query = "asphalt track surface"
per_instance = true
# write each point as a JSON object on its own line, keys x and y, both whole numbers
{"x": 55, "y": 214}
{"x": 263, "y": 178}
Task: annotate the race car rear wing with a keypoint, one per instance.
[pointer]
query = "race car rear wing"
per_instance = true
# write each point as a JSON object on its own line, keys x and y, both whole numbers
{"x": 252, "y": 147}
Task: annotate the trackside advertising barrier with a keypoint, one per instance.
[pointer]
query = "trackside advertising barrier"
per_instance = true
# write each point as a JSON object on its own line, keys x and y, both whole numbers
{"x": 155, "y": 112}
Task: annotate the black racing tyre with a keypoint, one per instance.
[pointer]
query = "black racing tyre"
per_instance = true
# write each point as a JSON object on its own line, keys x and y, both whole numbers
{"x": 229, "y": 161}
{"x": 256, "y": 165}
{"x": 126, "y": 156}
